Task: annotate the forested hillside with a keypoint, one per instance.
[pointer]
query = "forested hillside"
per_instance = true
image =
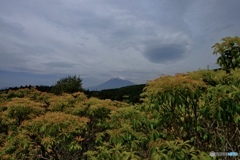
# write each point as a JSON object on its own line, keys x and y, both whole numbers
{"x": 129, "y": 94}
{"x": 181, "y": 117}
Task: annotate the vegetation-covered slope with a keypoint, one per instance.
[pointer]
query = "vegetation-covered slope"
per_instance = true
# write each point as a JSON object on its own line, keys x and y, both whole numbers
{"x": 182, "y": 117}
{"x": 129, "y": 94}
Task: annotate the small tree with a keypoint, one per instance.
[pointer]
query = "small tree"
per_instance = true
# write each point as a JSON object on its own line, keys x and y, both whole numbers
{"x": 229, "y": 50}
{"x": 69, "y": 84}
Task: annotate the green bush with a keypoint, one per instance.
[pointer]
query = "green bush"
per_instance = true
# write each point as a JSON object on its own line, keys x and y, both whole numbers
{"x": 69, "y": 84}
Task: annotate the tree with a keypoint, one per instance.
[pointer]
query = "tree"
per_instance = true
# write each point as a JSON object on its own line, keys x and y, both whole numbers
{"x": 229, "y": 50}
{"x": 69, "y": 84}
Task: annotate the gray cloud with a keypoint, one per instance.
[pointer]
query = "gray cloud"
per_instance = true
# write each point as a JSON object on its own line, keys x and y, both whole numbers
{"x": 59, "y": 65}
{"x": 99, "y": 39}
{"x": 10, "y": 28}
{"x": 165, "y": 53}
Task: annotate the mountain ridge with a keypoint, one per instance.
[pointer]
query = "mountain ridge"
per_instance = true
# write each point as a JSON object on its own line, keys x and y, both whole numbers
{"x": 112, "y": 84}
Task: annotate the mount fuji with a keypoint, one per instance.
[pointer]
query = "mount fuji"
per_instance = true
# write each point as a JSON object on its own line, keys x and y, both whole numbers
{"x": 117, "y": 82}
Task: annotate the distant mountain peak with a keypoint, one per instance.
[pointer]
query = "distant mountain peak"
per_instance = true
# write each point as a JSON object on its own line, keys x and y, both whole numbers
{"x": 119, "y": 77}
{"x": 116, "y": 82}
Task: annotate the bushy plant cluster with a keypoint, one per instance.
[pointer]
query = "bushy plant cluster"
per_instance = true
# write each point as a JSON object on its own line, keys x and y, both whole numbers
{"x": 182, "y": 117}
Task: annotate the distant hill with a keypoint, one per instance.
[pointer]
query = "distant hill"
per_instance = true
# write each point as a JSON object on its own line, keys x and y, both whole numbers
{"x": 130, "y": 94}
{"x": 111, "y": 84}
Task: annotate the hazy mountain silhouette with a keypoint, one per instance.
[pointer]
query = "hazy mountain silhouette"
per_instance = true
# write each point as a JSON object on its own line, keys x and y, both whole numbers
{"x": 112, "y": 83}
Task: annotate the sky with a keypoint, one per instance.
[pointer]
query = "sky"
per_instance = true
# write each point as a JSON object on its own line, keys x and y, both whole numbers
{"x": 42, "y": 41}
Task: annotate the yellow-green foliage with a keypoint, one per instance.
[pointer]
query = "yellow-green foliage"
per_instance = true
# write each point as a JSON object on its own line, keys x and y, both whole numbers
{"x": 201, "y": 106}
{"x": 182, "y": 117}
{"x": 229, "y": 51}
{"x": 54, "y": 135}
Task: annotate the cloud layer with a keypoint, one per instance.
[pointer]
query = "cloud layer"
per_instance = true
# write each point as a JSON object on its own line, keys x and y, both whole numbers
{"x": 137, "y": 39}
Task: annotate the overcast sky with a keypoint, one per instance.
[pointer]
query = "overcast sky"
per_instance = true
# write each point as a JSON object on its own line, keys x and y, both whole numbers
{"x": 44, "y": 40}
